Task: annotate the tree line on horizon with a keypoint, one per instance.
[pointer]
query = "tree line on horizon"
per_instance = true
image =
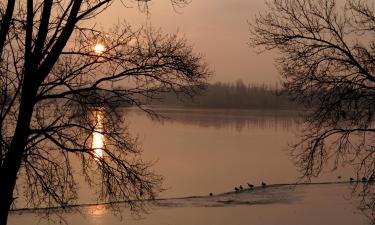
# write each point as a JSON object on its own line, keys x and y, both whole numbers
{"x": 237, "y": 95}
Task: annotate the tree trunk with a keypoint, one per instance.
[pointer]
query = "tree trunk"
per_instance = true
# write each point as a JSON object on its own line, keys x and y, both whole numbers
{"x": 12, "y": 162}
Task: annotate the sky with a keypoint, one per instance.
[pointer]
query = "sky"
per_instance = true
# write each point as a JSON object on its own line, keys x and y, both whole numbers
{"x": 218, "y": 29}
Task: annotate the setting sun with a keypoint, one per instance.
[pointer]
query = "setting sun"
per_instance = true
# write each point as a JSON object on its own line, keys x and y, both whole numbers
{"x": 99, "y": 48}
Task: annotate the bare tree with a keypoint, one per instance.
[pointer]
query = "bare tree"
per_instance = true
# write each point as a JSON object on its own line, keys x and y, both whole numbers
{"x": 58, "y": 74}
{"x": 327, "y": 61}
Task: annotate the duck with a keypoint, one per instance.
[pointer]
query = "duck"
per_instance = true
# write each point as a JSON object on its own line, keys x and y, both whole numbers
{"x": 364, "y": 179}
{"x": 211, "y": 194}
{"x": 236, "y": 189}
{"x": 351, "y": 179}
{"x": 241, "y": 188}
{"x": 264, "y": 184}
{"x": 250, "y": 186}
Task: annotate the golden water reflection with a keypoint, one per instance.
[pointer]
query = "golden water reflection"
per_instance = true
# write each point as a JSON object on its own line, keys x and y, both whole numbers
{"x": 98, "y": 211}
{"x": 98, "y": 135}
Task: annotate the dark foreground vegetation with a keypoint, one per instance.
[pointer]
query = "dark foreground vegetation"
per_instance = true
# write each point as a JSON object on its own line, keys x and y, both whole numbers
{"x": 326, "y": 61}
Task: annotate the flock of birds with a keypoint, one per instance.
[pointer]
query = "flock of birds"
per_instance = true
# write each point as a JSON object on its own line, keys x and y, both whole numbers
{"x": 251, "y": 186}
{"x": 264, "y": 185}
{"x": 364, "y": 179}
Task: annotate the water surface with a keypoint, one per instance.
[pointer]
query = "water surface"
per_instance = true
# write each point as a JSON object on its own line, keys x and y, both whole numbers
{"x": 323, "y": 204}
{"x": 203, "y": 151}
{"x": 212, "y": 151}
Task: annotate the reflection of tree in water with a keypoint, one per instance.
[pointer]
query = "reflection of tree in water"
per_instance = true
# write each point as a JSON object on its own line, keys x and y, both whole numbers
{"x": 232, "y": 119}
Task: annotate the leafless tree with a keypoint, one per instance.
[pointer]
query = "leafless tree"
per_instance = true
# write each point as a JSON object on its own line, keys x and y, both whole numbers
{"x": 53, "y": 86}
{"x": 327, "y": 61}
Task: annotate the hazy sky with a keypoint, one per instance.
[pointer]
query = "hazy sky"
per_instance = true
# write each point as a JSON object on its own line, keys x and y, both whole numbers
{"x": 217, "y": 28}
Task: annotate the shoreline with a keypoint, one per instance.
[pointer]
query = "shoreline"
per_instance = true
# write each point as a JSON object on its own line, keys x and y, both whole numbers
{"x": 246, "y": 190}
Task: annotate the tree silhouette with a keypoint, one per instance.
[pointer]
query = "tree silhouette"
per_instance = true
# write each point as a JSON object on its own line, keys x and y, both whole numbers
{"x": 230, "y": 96}
{"x": 327, "y": 61}
{"x": 54, "y": 82}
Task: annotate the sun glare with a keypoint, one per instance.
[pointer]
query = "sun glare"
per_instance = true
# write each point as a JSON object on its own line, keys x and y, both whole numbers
{"x": 99, "y": 48}
{"x": 98, "y": 136}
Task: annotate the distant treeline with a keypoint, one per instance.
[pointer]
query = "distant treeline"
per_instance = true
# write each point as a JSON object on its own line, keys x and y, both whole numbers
{"x": 236, "y": 95}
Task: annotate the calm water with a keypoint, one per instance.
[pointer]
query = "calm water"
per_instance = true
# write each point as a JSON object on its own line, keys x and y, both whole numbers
{"x": 203, "y": 151}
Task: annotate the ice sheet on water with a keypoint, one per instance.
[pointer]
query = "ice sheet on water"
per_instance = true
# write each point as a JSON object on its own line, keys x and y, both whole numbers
{"x": 308, "y": 204}
{"x": 272, "y": 194}
{"x": 281, "y": 194}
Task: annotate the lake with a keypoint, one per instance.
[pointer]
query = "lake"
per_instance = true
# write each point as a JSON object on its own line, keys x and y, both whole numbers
{"x": 216, "y": 150}
{"x": 212, "y": 151}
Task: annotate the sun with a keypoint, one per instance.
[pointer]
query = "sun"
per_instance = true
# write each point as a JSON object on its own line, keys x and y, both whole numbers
{"x": 99, "y": 48}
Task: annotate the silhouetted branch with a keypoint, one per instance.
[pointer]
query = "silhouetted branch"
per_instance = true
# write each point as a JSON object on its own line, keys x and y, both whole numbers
{"x": 327, "y": 62}
{"x": 53, "y": 84}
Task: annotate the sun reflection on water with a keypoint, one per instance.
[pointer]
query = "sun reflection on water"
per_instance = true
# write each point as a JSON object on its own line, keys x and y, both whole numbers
{"x": 99, "y": 210}
{"x": 97, "y": 135}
